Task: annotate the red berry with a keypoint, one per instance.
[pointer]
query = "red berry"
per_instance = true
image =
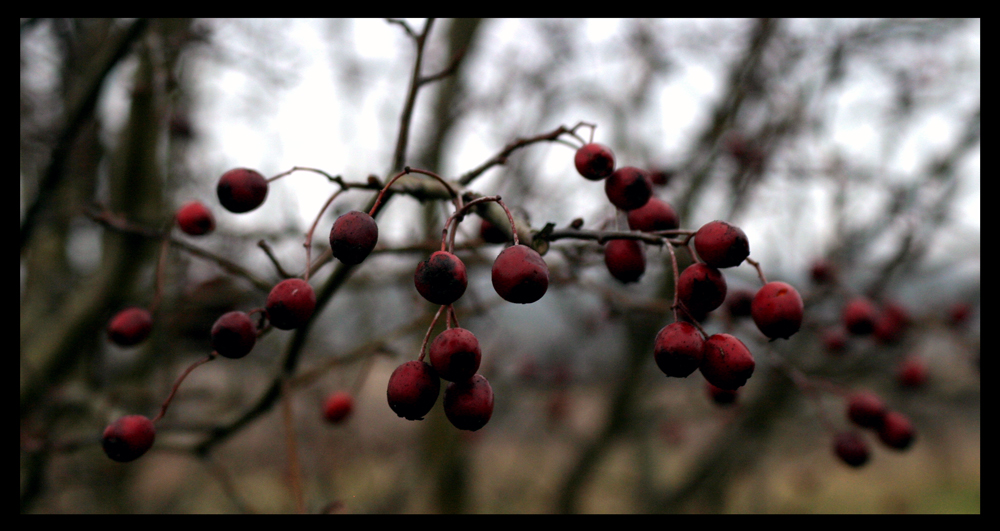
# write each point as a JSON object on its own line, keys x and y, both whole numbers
{"x": 701, "y": 288}
{"x": 455, "y": 354}
{"x": 628, "y": 188}
{"x": 338, "y": 407}
{"x": 491, "y": 233}
{"x": 594, "y": 161}
{"x": 835, "y": 340}
{"x": 242, "y": 190}
{"x": 738, "y": 303}
{"x": 127, "y": 438}
{"x": 777, "y": 310}
{"x": 897, "y": 431}
{"x": 720, "y": 244}
{"x": 866, "y": 409}
{"x": 722, "y": 397}
{"x": 469, "y": 404}
{"x": 661, "y": 177}
{"x": 912, "y": 373}
{"x": 520, "y": 274}
{"x": 290, "y": 304}
{"x": 727, "y": 363}
{"x": 413, "y": 388}
{"x": 441, "y": 278}
{"x": 653, "y": 216}
{"x": 353, "y": 237}
{"x": 851, "y": 448}
{"x": 890, "y": 324}
{"x": 823, "y": 271}
{"x": 859, "y": 316}
{"x": 678, "y": 349}
{"x": 626, "y": 259}
{"x": 130, "y": 326}
{"x": 233, "y": 335}
{"x": 195, "y": 219}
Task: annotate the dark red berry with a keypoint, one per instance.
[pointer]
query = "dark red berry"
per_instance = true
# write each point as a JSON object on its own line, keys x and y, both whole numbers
{"x": 891, "y": 323}
{"x": 897, "y": 431}
{"x": 242, "y": 190}
{"x": 195, "y": 218}
{"x": 835, "y": 340}
{"x": 701, "y": 288}
{"x": 851, "y": 448}
{"x": 455, "y": 354}
{"x": 338, "y": 407}
{"x": 738, "y": 303}
{"x": 777, "y": 310}
{"x": 727, "y": 363}
{"x": 661, "y": 177}
{"x": 860, "y": 315}
{"x": 413, "y": 388}
{"x": 130, "y": 326}
{"x": 520, "y": 274}
{"x": 290, "y": 304}
{"x": 653, "y": 216}
{"x": 721, "y": 244}
{"x": 233, "y": 335}
{"x": 628, "y": 188}
{"x": 594, "y": 161}
{"x": 491, "y": 233}
{"x": 469, "y": 404}
{"x": 127, "y": 438}
{"x": 626, "y": 259}
{"x": 912, "y": 373}
{"x": 823, "y": 271}
{"x": 722, "y": 397}
{"x": 678, "y": 349}
{"x": 866, "y": 409}
{"x": 353, "y": 237}
{"x": 441, "y": 278}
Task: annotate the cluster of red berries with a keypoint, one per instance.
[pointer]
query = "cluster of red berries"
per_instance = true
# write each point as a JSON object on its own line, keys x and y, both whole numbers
{"x": 866, "y": 410}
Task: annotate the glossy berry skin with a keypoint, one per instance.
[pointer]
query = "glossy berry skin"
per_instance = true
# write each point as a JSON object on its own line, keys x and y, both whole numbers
{"x": 701, "y": 288}
{"x": 130, "y": 326}
{"x": 721, "y": 244}
{"x": 338, "y": 407}
{"x": 678, "y": 349}
{"x": 626, "y": 259}
{"x": 851, "y": 448}
{"x": 233, "y": 335}
{"x": 241, "y": 190}
{"x": 520, "y": 275}
{"x": 859, "y": 316}
{"x": 777, "y": 310}
{"x": 455, "y": 354}
{"x": 721, "y": 397}
{"x": 897, "y": 431}
{"x": 195, "y": 218}
{"x": 727, "y": 363}
{"x": 628, "y": 188}
{"x": 413, "y": 388}
{"x": 866, "y": 409}
{"x": 469, "y": 404}
{"x": 441, "y": 278}
{"x": 127, "y": 438}
{"x": 353, "y": 237}
{"x": 655, "y": 215}
{"x": 594, "y": 161}
{"x": 290, "y": 304}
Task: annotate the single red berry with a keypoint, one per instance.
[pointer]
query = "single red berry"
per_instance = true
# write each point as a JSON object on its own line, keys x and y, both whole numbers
{"x": 701, "y": 288}
{"x": 851, "y": 448}
{"x": 628, "y": 188}
{"x": 860, "y": 315}
{"x": 661, "y": 177}
{"x": 823, "y": 271}
{"x": 897, "y": 431}
{"x": 127, "y": 438}
{"x": 655, "y": 215}
{"x": 866, "y": 409}
{"x": 722, "y": 397}
{"x": 469, "y": 404}
{"x": 520, "y": 274}
{"x": 721, "y": 244}
{"x": 678, "y": 349}
{"x": 233, "y": 335}
{"x": 353, "y": 237}
{"x": 891, "y": 323}
{"x": 626, "y": 259}
{"x": 491, "y": 233}
{"x": 912, "y": 373}
{"x": 455, "y": 354}
{"x": 195, "y": 218}
{"x": 338, "y": 407}
{"x": 242, "y": 190}
{"x": 441, "y": 278}
{"x": 413, "y": 388}
{"x": 290, "y": 304}
{"x": 777, "y": 310}
{"x": 594, "y": 161}
{"x": 130, "y": 326}
{"x": 738, "y": 303}
{"x": 835, "y": 340}
{"x": 727, "y": 363}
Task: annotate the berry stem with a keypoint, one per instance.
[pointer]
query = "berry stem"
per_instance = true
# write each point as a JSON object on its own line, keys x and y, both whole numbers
{"x": 177, "y": 384}
{"x": 335, "y": 179}
{"x": 456, "y": 198}
{"x": 501, "y": 158}
{"x": 459, "y": 214}
{"x": 760, "y": 272}
{"x": 309, "y": 235}
{"x": 673, "y": 263}
{"x": 427, "y": 336}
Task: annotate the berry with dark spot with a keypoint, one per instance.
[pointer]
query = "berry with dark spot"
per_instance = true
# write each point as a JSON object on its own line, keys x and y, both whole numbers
{"x": 233, "y": 335}
{"x": 777, "y": 310}
{"x": 130, "y": 326}
{"x": 520, "y": 275}
{"x": 655, "y": 215}
{"x": 127, "y": 438}
{"x": 413, "y": 388}
{"x": 441, "y": 278}
{"x": 455, "y": 354}
{"x": 195, "y": 218}
{"x": 727, "y": 362}
{"x": 469, "y": 404}
{"x": 353, "y": 237}
{"x": 721, "y": 244}
{"x": 290, "y": 304}
{"x": 866, "y": 409}
{"x": 851, "y": 448}
{"x": 241, "y": 190}
{"x": 628, "y": 188}
{"x": 701, "y": 288}
{"x": 678, "y": 349}
{"x": 594, "y": 161}
{"x": 859, "y": 316}
{"x": 626, "y": 259}
{"x": 897, "y": 431}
